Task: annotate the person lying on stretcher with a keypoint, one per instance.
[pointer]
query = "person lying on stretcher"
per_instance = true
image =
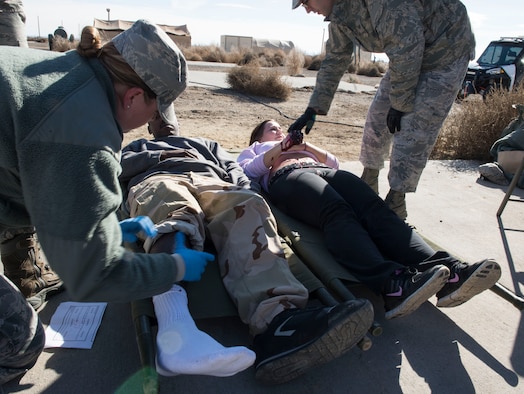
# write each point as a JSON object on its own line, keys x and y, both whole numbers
{"x": 193, "y": 186}
{"x": 363, "y": 234}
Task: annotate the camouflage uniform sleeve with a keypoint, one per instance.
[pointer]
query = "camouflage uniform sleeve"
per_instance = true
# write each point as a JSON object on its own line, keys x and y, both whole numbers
{"x": 404, "y": 44}
{"x": 339, "y": 52}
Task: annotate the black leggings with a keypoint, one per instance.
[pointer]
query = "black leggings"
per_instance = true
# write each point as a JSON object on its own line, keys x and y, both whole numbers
{"x": 360, "y": 230}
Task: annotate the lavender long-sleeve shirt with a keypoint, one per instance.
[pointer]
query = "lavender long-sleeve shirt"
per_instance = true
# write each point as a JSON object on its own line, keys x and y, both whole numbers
{"x": 251, "y": 160}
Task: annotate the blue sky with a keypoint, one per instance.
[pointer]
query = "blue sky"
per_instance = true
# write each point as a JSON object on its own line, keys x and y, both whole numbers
{"x": 273, "y": 19}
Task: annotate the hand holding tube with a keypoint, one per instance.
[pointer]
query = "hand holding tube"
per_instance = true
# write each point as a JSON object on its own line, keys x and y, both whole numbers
{"x": 194, "y": 260}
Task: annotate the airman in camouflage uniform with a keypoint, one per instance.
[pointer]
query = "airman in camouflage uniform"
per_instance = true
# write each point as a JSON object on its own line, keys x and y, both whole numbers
{"x": 429, "y": 44}
{"x": 12, "y": 23}
{"x": 22, "y": 336}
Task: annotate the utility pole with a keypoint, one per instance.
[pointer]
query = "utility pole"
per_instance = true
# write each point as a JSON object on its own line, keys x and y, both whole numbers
{"x": 322, "y": 45}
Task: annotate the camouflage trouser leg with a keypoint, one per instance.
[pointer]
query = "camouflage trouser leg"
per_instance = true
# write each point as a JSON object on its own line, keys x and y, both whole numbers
{"x": 243, "y": 230}
{"x": 436, "y": 92}
{"x": 22, "y": 336}
{"x": 12, "y": 24}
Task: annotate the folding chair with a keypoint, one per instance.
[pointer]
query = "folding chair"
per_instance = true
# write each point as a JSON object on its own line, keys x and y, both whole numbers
{"x": 511, "y": 188}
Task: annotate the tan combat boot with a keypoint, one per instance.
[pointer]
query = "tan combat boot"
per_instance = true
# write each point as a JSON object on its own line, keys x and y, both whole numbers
{"x": 25, "y": 265}
{"x": 397, "y": 203}
{"x": 370, "y": 176}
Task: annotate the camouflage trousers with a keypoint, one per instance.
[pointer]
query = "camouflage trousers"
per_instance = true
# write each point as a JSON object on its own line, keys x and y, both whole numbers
{"x": 409, "y": 148}
{"x": 22, "y": 336}
{"x": 244, "y": 232}
{"x": 12, "y": 24}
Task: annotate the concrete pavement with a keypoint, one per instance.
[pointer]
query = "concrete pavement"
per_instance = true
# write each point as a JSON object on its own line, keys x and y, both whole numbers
{"x": 218, "y": 79}
{"x": 472, "y": 348}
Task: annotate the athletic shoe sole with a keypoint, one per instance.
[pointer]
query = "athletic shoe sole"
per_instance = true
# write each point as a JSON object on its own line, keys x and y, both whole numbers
{"x": 340, "y": 338}
{"x": 483, "y": 278}
{"x": 430, "y": 288}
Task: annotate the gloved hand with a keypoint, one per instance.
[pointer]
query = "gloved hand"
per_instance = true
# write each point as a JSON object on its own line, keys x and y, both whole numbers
{"x": 307, "y": 119}
{"x": 294, "y": 137}
{"x": 393, "y": 120}
{"x": 195, "y": 261}
{"x": 131, "y": 227}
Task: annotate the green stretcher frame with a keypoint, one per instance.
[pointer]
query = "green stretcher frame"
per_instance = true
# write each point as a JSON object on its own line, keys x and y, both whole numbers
{"x": 310, "y": 262}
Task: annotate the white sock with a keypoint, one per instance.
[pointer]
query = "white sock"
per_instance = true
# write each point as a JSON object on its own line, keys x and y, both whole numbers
{"x": 183, "y": 349}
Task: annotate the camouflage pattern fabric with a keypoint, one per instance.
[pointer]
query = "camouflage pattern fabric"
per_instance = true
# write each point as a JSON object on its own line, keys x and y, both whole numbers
{"x": 22, "y": 336}
{"x": 12, "y": 24}
{"x": 429, "y": 44}
{"x": 157, "y": 61}
{"x": 413, "y": 144}
{"x": 244, "y": 231}
{"x": 10, "y": 233}
{"x": 418, "y": 37}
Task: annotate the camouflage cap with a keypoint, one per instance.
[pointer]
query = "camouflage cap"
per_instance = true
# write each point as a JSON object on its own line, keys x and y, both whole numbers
{"x": 295, "y": 4}
{"x": 157, "y": 61}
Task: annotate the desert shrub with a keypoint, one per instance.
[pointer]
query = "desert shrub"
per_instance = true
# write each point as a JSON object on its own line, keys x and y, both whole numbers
{"x": 248, "y": 57}
{"x": 352, "y": 69}
{"x": 266, "y": 57}
{"x": 61, "y": 44}
{"x": 475, "y": 124}
{"x": 271, "y": 57}
{"x": 207, "y": 53}
{"x": 381, "y": 66}
{"x": 234, "y": 56}
{"x": 251, "y": 79}
{"x": 315, "y": 63}
{"x": 307, "y": 61}
{"x": 369, "y": 69}
{"x": 294, "y": 62}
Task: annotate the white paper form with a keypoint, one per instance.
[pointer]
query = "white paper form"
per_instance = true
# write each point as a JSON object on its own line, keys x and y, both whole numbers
{"x": 74, "y": 325}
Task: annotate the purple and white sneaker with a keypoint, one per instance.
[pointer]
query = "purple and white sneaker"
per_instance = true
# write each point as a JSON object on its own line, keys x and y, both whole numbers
{"x": 409, "y": 288}
{"x": 468, "y": 280}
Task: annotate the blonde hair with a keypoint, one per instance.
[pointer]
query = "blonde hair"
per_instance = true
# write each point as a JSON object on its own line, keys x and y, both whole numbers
{"x": 90, "y": 46}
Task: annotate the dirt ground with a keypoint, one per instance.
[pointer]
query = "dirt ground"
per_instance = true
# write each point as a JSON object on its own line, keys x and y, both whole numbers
{"x": 228, "y": 117}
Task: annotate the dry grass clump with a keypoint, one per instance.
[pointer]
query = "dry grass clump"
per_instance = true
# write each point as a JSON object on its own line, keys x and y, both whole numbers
{"x": 251, "y": 79}
{"x": 263, "y": 58}
{"x": 61, "y": 44}
{"x": 206, "y": 53}
{"x": 267, "y": 57}
{"x": 371, "y": 69}
{"x": 313, "y": 62}
{"x": 295, "y": 62}
{"x": 474, "y": 125}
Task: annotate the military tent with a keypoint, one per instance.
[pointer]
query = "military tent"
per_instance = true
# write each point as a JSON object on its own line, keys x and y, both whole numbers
{"x": 108, "y": 29}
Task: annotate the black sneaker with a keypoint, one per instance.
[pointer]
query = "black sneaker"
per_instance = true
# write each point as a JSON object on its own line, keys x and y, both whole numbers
{"x": 409, "y": 288}
{"x": 468, "y": 280}
{"x": 299, "y": 339}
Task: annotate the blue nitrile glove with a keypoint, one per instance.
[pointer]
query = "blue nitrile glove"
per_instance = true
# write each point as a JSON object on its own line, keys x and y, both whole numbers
{"x": 195, "y": 261}
{"x": 307, "y": 120}
{"x": 393, "y": 120}
{"x": 131, "y": 227}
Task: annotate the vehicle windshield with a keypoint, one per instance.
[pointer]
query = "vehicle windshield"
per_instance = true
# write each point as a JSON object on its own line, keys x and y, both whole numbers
{"x": 500, "y": 54}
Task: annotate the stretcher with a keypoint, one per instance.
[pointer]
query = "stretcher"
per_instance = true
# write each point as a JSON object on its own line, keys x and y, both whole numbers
{"x": 310, "y": 262}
